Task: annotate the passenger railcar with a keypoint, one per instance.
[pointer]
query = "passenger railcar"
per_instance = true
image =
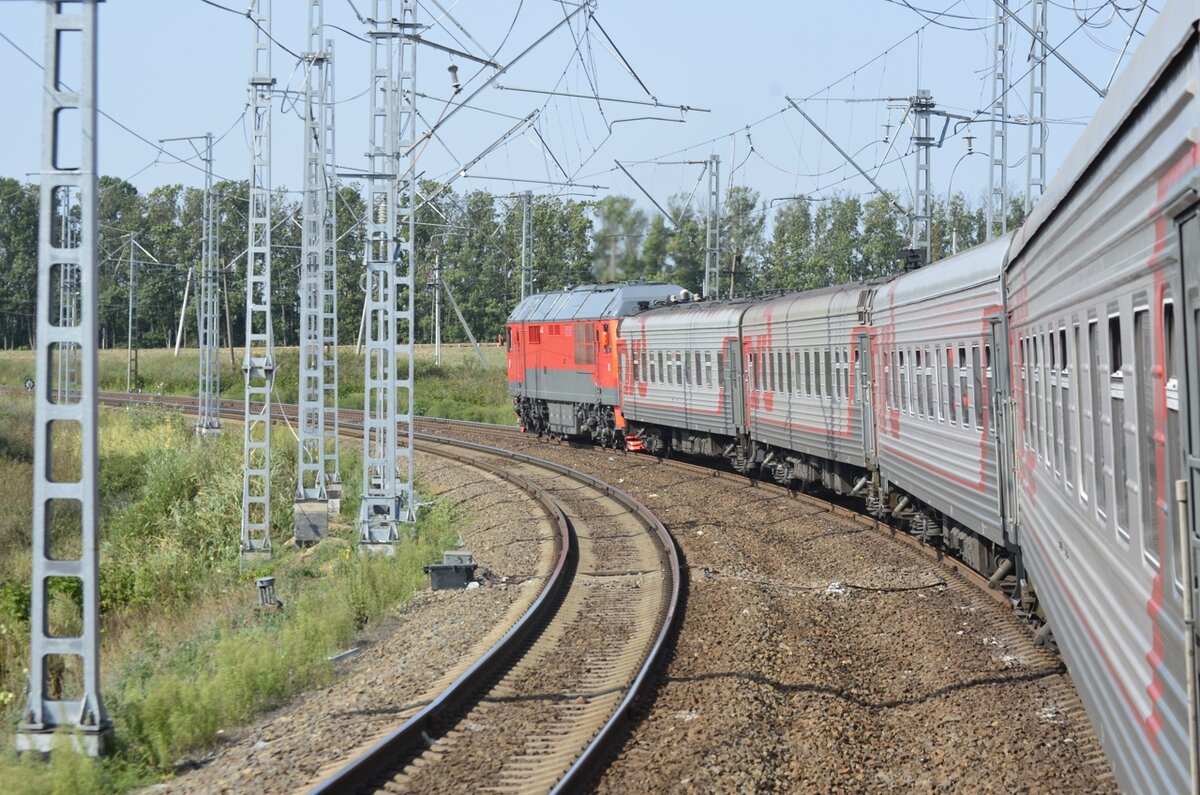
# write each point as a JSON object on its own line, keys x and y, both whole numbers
{"x": 682, "y": 383}
{"x": 1032, "y": 404}
{"x": 805, "y": 358}
{"x": 562, "y": 362}
{"x": 936, "y": 370}
{"x": 1102, "y": 285}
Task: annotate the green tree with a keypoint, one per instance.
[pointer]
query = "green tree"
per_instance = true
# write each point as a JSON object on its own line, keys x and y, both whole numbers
{"x": 18, "y": 262}
{"x": 622, "y": 226}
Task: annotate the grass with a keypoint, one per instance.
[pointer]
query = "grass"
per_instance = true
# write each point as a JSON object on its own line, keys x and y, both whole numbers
{"x": 184, "y": 651}
{"x": 458, "y": 389}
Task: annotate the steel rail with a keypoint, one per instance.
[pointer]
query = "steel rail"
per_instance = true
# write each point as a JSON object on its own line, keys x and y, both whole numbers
{"x": 376, "y": 760}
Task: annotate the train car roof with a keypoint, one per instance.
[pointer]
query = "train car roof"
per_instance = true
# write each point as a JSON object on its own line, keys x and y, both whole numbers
{"x": 973, "y": 267}
{"x": 838, "y": 299}
{"x": 688, "y": 314}
{"x": 591, "y": 302}
{"x": 1167, "y": 37}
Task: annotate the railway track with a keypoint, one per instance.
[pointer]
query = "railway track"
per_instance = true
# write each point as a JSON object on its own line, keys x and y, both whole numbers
{"x": 540, "y": 710}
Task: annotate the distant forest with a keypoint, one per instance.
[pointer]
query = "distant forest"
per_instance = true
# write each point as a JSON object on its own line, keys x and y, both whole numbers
{"x": 797, "y": 245}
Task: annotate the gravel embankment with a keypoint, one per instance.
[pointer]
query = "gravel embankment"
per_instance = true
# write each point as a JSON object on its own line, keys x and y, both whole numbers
{"x": 816, "y": 655}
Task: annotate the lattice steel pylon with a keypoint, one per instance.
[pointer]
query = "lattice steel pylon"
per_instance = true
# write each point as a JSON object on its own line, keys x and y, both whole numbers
{"x": 258, "y": 362}
{"x": 208, "y": 419}
{"x": 64, "y": 667}
{"x": 712, "y": 230}
{"x": 526, "y": 245}
{"x": 311, "y": 510}
{"x": 1035, "y": 160}
{"x": 998, "y": 148}
{"x": 387, "y": 490}
{"x": 329, "y": 303}
{"x": 311, "y": 475}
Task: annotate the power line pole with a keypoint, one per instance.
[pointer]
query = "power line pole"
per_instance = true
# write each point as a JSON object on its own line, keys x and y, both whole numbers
{"x": 130, "y": 359}
{"x": 712, "y": 230}
{"x": 64, "y": 668}
{"x": 330, "y": 463}
{"x": 922, "y": 106}
{"x": 209, "y": 419}
{"x": 997, "y": 209}
{"x": 387, "y": 490}
{"x": 258, "y": 362}
{"x": 1035, "y": 159}
{"x": 437, "y": 309}
{"x": 527, "y": 245}
{"x": 311, "y": 507}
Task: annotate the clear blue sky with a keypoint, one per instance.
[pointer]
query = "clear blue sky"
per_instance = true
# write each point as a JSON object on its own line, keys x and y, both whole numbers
{"x": 179, "y": 67}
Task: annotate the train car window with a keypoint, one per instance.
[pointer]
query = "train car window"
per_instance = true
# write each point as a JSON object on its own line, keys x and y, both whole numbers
{"x": 699, "y": 372}
{"x": 903, "y": 379}
{"x": 1026, "y": 382}
{"x": 771, "y": 371}
{"x": 720, "y": 366}
{"x": 948, "y": 378}
{"x": 678, "y": 368}
{"x": 1097, "y": 419}
{"x": 634, "y": 368}
{"x": 929, "y": 402}
{"x": 977, "y": 396}
{"x": 1065, "y": 390}
{"x": 845, "y": 374}
{"x": 817, "y": 373}
{"x": 662, "y": 372}
{"x": 1039, "y": 397}
{"x": 1116, "y": 393}
{"x": 1173, "y": 457}
{"x": 1143, "y": 362}
{"x": 828, "y": 374}
{"x": 918, "y": 391}
{"x": 1076, "y": 385}
{"x": 708, "y": 369}
{"x": 788, "y": 361}
{"x": 1053, "y": 403}
{"x": 890, "y": 368}
{"x": 808, "y": 373}
{"x": 835, "y": 391}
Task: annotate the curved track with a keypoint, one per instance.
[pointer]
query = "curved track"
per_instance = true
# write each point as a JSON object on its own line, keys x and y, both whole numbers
{"x": 540, "y": 709}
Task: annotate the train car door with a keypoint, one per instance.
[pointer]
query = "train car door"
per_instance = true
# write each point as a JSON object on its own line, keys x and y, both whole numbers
{"x": 1189, "y": 256}
{"x": 862, "y": 356}
{"x": 1000, "y": 407}
{"x": 731, "y": 375}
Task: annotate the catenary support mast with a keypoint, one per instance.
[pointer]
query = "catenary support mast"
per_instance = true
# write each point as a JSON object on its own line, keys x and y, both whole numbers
{"x": 712, "y": 230}
{"x": 66, "y": 503}
{"x": 310, "y": 461}
{"x": 258, "y": 362}
{"x": 1035, "y": 160}
{"x": 209, "y": 416}
{"x": 997, "y": 208}
{"x": 391, "y": 225}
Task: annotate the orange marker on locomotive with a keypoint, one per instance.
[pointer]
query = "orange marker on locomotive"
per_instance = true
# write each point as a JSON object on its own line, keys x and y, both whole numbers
{"x": 563, "y": 365}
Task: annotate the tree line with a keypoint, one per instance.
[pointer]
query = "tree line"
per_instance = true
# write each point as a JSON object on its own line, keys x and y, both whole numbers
{"x": 476, "y": 237}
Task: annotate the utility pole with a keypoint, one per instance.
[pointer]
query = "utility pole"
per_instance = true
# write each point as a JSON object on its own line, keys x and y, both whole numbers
{"x": 330, "y": 463}
{"x": 527, "y": 245}
{"x": 130, "y": 358}
{"x": 997, "y": 209}
{"x": 387, "y": 491}
{"x": 1035, "y": 158}
{"x": 64, "y": 701}
{"x": 311, "y": 507}
{"x": 258, "y": 361}
{"x": 712, "y": 230}
{"x": 923, "y": 141}
{"x": 437, "y": 309}
{"x": 209, "y": 419}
